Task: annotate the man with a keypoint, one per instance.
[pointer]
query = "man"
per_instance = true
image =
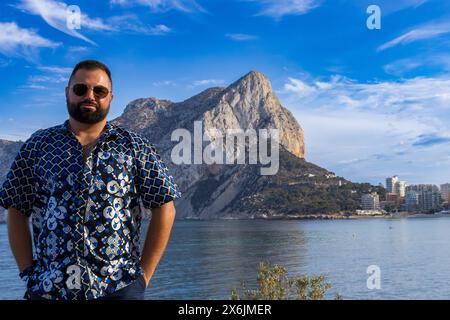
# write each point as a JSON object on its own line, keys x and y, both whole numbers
{"x": 82, "y": 183}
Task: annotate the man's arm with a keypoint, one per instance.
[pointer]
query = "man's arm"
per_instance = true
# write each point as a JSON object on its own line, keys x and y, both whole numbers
{"x": 20, "y": 238}
{"x": 157, "y": 238}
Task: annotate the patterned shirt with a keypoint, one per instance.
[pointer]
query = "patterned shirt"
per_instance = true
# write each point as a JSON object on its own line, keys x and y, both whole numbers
{"x": 86, "y": 215}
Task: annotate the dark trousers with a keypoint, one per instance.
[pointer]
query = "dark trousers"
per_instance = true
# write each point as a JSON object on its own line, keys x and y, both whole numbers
{"x": 134, "y": 291}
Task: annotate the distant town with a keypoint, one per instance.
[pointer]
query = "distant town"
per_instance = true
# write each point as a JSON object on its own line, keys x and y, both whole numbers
{"x": 403, "y": 198}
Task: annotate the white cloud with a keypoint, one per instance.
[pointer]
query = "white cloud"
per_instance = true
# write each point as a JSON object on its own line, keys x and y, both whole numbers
{"x": 403, "y": 66}
{"x": 394, "y": 96}
{"x": 240, "y": 36}
{"x": 388, "y": 6}
{"x": 78, "y": 49}
{"x": 4, "y": 63}
{"x": 131, "y": 23}
{"x": 55, "y": 69}
{"x": 33, "y": 87}
{"x": 280, "y": 8}
{"x": 48, "y": 79}
{"x": 408, "y": 3}
{"x": 367, "y": 131}
{"x": 424, "y": 32}
{"x": 162, "y": 5}
{"x": 299, "y": 87}
{"x": 17, "y": 41}
{"x": 55, "y": 14}
{"x": 164, "y": 83}
{"x": 207, "y": 82}
{"x": 159, "y": 29}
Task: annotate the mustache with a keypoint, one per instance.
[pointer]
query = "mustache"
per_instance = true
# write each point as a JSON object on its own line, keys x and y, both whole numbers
{"x": 88, "y": 101}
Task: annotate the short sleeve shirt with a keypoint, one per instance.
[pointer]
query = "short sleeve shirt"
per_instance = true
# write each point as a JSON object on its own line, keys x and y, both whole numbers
{"x": 86, "y": 215}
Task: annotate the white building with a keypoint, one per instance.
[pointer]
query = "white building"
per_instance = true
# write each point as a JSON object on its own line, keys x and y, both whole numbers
{"x": 390, "y": 184}
{"x": 400, "y": 188}
{"x": 428, "y": 196}
{"x": 411, "y": 201}
{"x": 369, "y": 212}
{"x": 370, "y": 201}
{"x": 445, "y": 191}
{"x": 429, "y": 200}
{"x": 395, "y": 186}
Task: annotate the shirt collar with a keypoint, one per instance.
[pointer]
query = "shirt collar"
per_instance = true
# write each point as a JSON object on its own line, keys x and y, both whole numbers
{"x": 110, "y": 129}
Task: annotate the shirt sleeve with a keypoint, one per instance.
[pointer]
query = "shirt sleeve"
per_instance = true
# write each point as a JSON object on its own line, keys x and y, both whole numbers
{"x": 17, "y": 190}
{"x": 154, "y": 183}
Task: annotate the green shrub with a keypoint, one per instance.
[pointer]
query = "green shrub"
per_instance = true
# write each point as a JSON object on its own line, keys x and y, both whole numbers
{"x": 274, "y": 284}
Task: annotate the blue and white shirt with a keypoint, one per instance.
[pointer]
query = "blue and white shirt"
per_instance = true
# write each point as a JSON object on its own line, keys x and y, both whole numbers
{"x": 86, "y": 217}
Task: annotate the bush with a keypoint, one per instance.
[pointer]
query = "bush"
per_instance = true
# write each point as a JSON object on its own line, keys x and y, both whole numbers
{"x": 274, "y": 284}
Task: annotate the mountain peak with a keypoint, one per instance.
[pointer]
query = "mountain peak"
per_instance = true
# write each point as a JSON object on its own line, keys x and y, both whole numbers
{"x": 253, "y": 81}
{"x": 250, "y": 103}
{"x": 255, "y": 74}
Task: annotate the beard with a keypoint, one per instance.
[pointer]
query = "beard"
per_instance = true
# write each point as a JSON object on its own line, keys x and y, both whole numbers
{"x": 90, "y": 117}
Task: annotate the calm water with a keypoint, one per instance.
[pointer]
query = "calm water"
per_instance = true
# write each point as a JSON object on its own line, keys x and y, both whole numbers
{"x": 206, "y": 259}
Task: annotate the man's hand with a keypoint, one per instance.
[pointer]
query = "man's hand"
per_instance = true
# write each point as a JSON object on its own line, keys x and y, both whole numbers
{"x": 157, "y": 238}
{"x": 20, "y": 238}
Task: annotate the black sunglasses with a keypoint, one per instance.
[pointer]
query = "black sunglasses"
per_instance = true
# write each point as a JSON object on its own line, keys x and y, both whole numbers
{"x": 80, "y": 89}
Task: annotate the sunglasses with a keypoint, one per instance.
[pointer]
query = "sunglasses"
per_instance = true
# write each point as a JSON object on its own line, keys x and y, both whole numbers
{"x": 80, "y": 89}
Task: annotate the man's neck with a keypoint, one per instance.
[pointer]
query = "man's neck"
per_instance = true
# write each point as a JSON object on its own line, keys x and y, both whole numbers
{"x": 86, "y": 132}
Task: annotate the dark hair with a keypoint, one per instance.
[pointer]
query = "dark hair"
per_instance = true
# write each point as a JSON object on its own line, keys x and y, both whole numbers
{"x": 91, "y": 65}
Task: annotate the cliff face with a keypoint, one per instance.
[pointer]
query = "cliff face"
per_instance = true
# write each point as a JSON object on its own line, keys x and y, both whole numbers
{"x": 251, "y": 103}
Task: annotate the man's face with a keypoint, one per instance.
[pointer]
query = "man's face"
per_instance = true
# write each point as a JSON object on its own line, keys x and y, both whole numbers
{"x": 89, "y": 107}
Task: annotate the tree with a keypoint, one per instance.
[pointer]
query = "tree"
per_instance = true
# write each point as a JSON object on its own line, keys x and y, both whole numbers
{"x": 274, "y": 284}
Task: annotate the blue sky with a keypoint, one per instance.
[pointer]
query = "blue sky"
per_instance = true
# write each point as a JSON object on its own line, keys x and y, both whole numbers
{"x": 373, "y": 103}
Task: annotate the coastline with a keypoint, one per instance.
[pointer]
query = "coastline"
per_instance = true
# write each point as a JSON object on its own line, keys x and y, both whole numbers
{"x": 353, "y": 216}
{"x": 331, "y": 216}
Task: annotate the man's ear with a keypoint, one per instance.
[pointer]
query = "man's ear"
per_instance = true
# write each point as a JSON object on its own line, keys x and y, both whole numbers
{"x": 67, "y": 92}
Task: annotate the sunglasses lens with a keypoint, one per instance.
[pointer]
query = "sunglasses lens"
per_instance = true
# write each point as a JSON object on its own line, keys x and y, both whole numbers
{"x": 101, "y": 91}
{"x": 80, "y": 89}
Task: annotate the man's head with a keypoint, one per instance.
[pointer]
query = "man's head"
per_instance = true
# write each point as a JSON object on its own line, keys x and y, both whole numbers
{"x": 89, "y": 92}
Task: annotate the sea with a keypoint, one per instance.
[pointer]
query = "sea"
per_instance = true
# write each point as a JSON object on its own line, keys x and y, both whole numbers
{"x": 392, "y": 258}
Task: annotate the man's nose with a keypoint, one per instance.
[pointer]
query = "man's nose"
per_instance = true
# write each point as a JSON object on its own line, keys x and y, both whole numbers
{"x": 90, "y": 94}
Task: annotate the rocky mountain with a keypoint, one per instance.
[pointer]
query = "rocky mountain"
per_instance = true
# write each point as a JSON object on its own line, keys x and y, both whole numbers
{"x": 210, "y": 191}
{"x": 8, "y": 151}
{"x": 240, "y": 191}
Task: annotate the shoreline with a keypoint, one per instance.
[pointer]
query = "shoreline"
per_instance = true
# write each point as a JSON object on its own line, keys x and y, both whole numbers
{"x": 343, "y": 216}
{"x": 324, "y": 217}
